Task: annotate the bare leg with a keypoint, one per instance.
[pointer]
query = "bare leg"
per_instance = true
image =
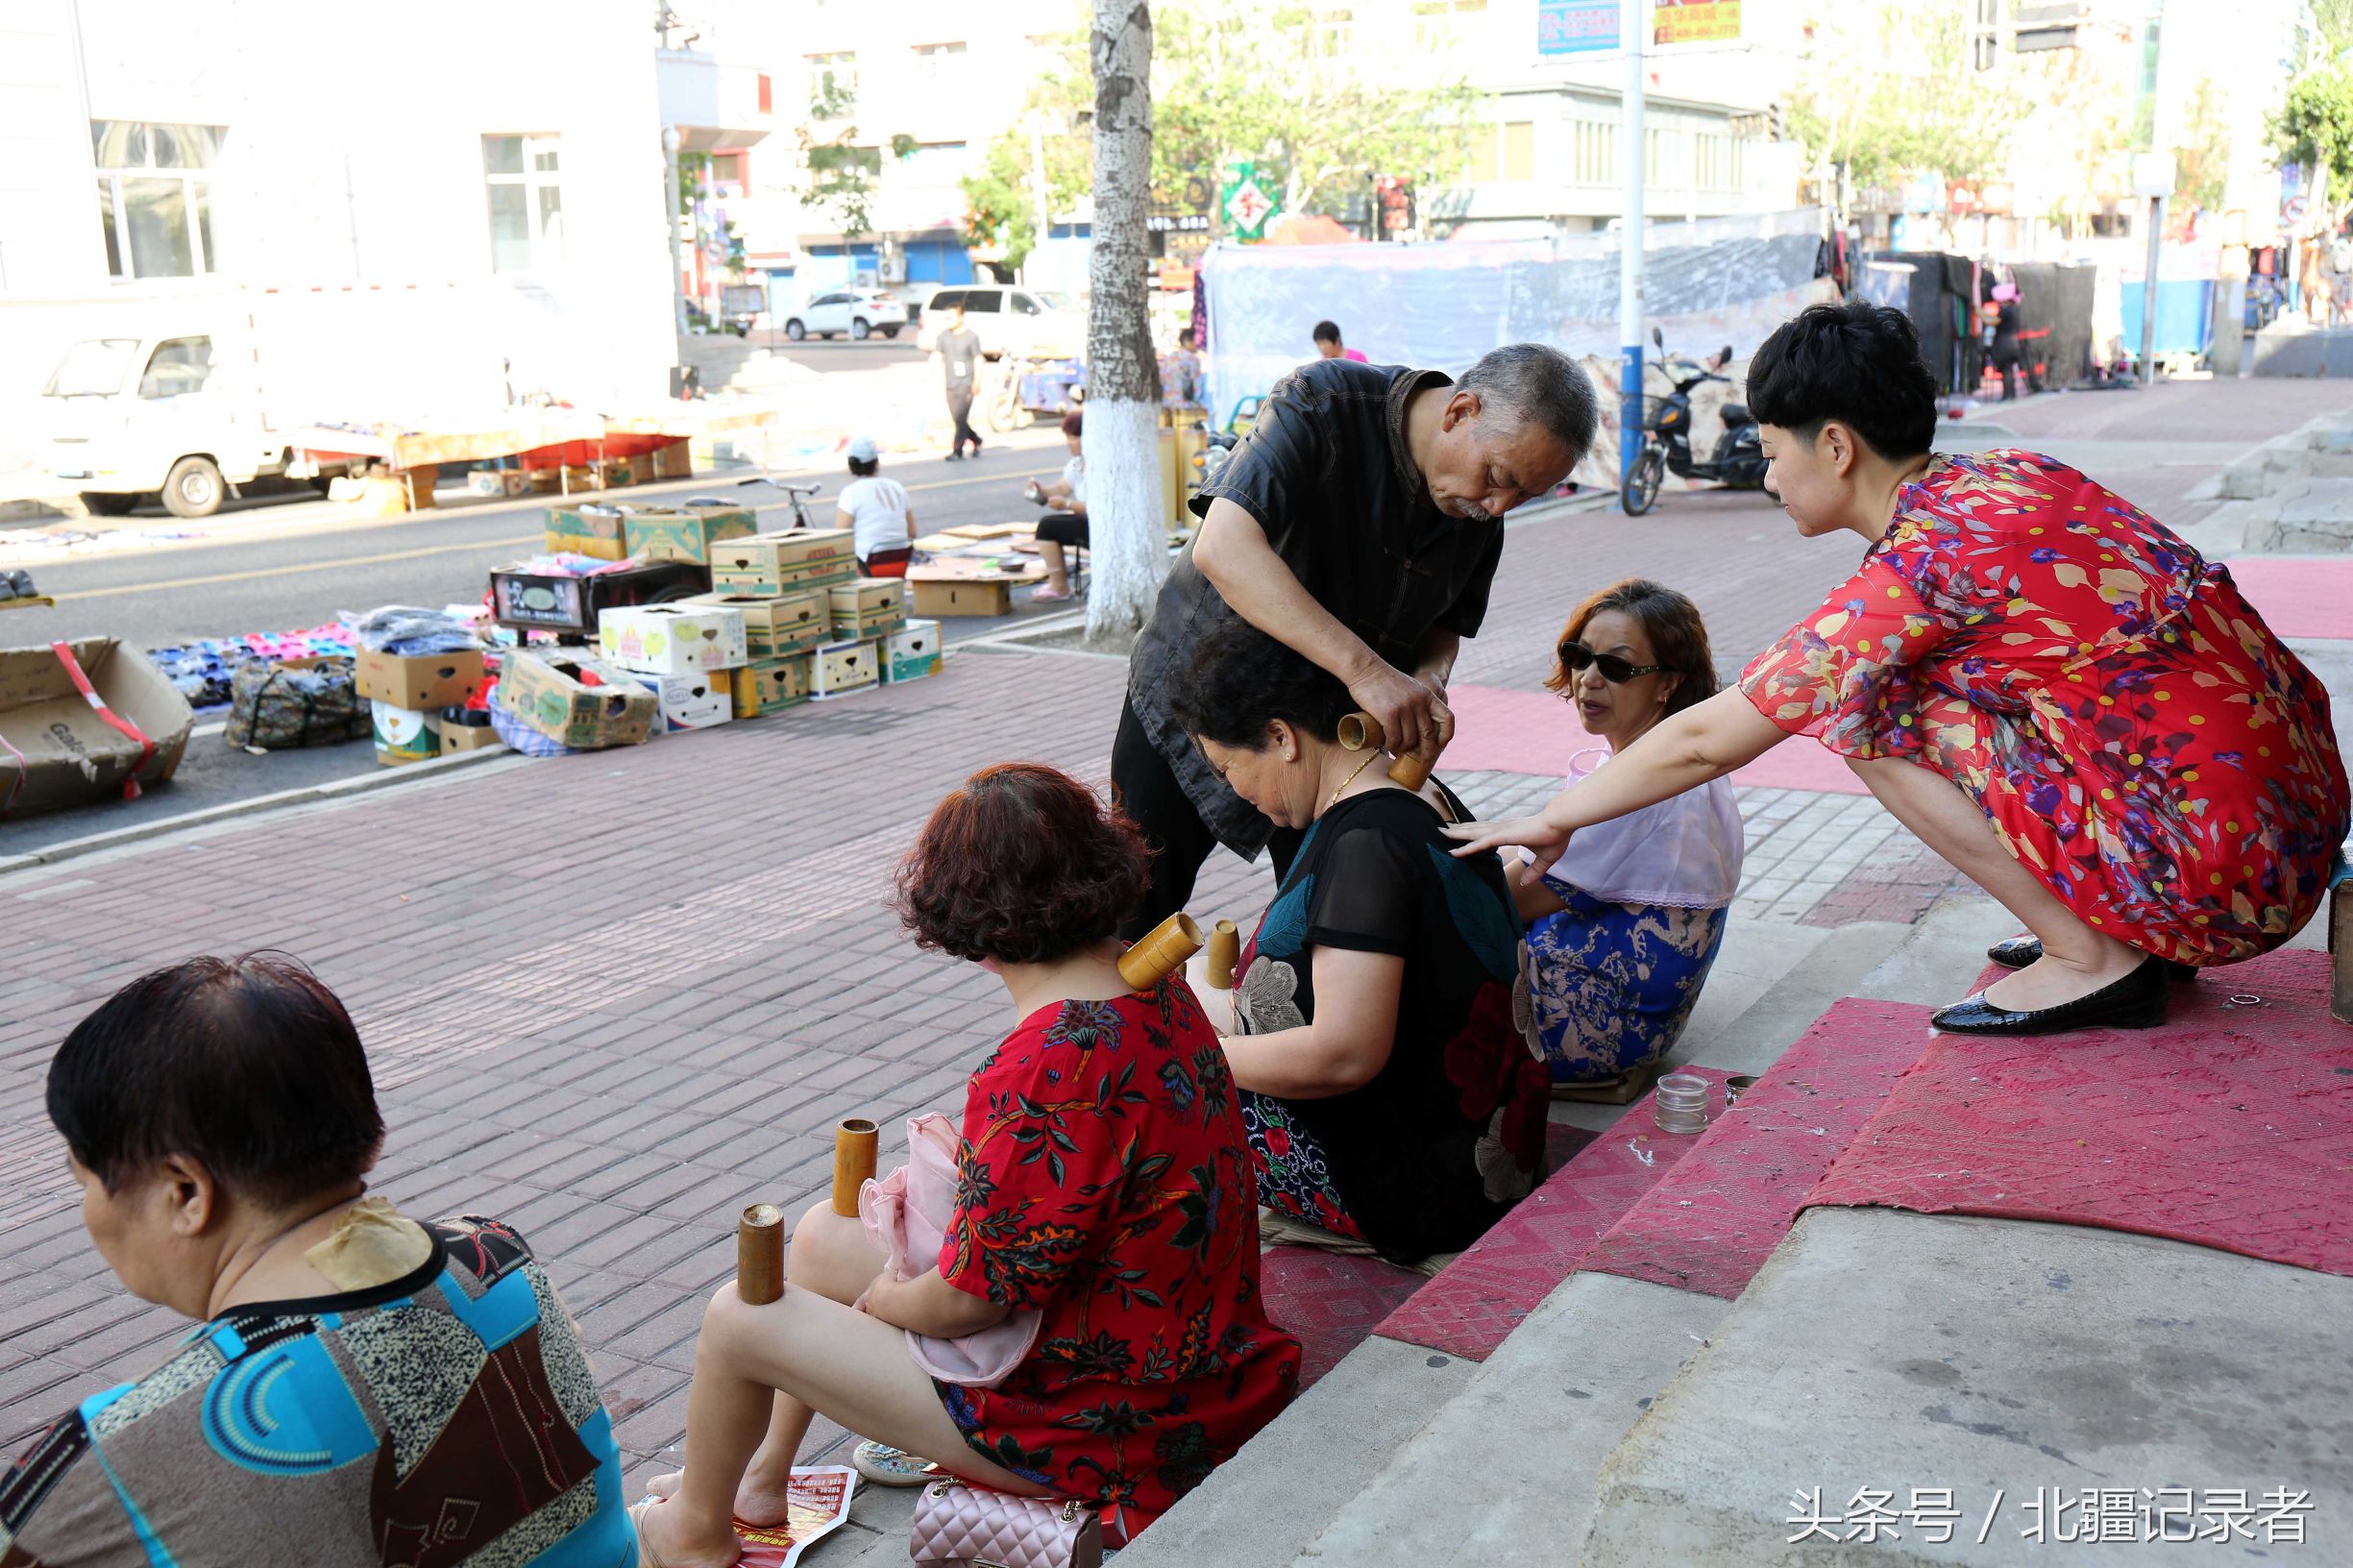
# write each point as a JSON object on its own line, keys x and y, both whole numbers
{"x": 823, "y": 1357}
{"x": 1057, "y": 569}
{"x": 2076, "y": 960}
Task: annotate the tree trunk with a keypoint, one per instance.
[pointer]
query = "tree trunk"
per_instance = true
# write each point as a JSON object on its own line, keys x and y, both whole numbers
{"x": 1126, "y": 512}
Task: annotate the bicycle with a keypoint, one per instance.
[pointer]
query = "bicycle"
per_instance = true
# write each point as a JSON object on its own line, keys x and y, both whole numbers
{"x": 798, "y": 495}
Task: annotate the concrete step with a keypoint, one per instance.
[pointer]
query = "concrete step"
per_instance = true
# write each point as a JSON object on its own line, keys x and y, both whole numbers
{"x": 1885, "y": 1349}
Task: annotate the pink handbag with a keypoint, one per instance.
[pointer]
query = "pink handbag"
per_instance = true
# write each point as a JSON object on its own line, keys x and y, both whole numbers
{"x": 957, "y": 1526}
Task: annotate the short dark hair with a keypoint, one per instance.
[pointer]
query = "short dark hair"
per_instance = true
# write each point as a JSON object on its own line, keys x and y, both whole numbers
{"x": 250, "y": 1064}
{"x": 1527, "y": 383}
{"x": 1679, "y": 637}
{"x": 865, "y": 468}
{"x": 1187, "y": 337}
{"x": 1239, "y": 681}
{"x": 1024, "y": 865}
{"x": 1074, "y": 422}
{"x": 1327, "y": 331}
{"x": 1857, "y": 363}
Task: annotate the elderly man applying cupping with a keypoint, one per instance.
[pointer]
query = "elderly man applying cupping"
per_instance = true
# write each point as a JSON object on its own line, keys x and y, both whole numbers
{"x": 1359, "y": 522}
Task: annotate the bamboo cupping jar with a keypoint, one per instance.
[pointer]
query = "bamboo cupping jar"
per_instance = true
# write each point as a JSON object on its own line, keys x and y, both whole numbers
{"x": 1225, "y": 952}
{"x": 1358, "y": 730}
{"x": 853, "y": 1163}
{"x": 1160, "y": 953}
{"x": 759, "y": 1255}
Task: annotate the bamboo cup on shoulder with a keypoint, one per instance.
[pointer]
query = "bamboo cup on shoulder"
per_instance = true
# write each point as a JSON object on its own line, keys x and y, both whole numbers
{"x": 1225, "y": 951}
{"x": 1358, "y": 730}
{"x": 853, "y": 1163}
{"x": 759, "y": 1255}
{"x": 1160, "y": 953}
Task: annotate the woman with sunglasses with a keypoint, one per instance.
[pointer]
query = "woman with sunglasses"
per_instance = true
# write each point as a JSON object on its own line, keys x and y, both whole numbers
{"x": 1622, "y": 929}
{"x": 2050, "y": 689}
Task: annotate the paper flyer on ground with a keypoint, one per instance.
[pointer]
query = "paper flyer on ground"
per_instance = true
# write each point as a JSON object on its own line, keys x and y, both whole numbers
{"x": 820, "y": 1503}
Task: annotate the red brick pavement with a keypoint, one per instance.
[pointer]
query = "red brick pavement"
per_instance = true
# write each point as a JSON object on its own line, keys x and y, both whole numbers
{"x": 613, "y": 997}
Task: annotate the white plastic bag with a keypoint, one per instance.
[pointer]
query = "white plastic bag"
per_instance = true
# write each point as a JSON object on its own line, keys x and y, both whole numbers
{"x": 908, "y": 1212}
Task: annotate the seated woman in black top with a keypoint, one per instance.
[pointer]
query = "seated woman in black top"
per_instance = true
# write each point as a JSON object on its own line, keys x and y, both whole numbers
{"x": 1393, "y": 1090}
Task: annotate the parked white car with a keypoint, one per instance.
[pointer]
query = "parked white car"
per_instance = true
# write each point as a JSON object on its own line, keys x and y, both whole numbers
{"x": 860, "y": 313}
{"x": 1021, "y": 322}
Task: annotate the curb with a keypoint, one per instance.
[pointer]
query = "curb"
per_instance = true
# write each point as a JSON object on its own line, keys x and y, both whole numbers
{"x": 334, "y": 790}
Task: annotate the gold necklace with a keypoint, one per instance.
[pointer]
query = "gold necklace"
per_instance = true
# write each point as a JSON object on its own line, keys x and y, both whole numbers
{"x": 1350, "y": 779}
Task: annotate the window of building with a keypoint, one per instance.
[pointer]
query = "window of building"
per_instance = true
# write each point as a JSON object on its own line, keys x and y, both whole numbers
{"x": 526, "y": 201}
{"x": 833, "y": 84}
{"x": 1593, "y": 153}
{"x": 155, "y": 196}
{"x": 1503, "y": 151}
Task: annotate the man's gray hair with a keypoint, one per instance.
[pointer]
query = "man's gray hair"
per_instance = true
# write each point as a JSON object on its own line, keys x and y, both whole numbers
{"x": 1529, "y": 383}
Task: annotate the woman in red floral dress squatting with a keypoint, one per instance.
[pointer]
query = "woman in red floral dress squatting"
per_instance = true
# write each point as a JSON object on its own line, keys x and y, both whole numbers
{"x": 2050, "y": 688}
{"x": 1104, "y": 1183}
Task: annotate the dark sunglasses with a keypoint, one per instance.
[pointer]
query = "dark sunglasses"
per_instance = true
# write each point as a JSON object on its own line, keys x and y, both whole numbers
{"x": 1575, "y": 656}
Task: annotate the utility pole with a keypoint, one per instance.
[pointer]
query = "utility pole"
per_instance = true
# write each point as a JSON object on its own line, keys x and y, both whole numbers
{"x": 2152, "y": 178}
{"x": 1632, "y": 16}
{"x": 671, "y": 141}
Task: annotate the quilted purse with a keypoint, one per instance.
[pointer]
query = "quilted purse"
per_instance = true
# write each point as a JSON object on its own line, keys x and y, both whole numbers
{"x": 957, "y": 1526}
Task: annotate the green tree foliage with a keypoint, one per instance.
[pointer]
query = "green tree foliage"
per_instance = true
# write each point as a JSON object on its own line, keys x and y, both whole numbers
{"x": 2315, "y": 126}
{"x": 1274, "y": 84}
{"x": 2201, "y": 155}
{"x": 842, "y": 175}
{"x": 1886, "y": 88}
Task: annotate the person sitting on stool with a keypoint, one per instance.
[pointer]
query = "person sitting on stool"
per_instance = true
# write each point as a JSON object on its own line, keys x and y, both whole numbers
{"x": 1065, "y": 523}
{"x": 877, "y": 513}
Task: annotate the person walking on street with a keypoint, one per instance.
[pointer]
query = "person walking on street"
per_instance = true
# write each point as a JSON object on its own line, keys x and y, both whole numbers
{"x": 959, "y": 351}
{"x": 1359, "y": 523}
{"x": 2005, "y": 356}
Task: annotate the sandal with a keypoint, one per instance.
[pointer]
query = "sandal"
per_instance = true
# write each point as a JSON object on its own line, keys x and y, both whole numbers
{"x": 1048, "y": 596}
{"x": 647, "y": 1557}
{"x": 888, "y": 1466}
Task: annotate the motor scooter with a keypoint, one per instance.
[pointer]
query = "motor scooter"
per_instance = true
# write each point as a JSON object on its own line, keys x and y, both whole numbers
{"x": 1738, "y": 462}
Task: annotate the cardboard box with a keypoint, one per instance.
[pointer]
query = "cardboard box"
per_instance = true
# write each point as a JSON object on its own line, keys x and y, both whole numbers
{"x": 839, "y": 669}
{"x": 686, "y": 534}
{"x": 780, "y": 563}
{"x": 691, "y": 701}
{"x": 672, "y": 639}
{"x": 914, "y": 652}
{"x": 937, "y": 600}
{"x": 556, "y": 697}
{"x": 772, "y": 685}
{"x": 775, "y": 625}
{"x": 63, "y": 754}
{"x": 419, "y": 681}
{"x": 403, "y": 735}
{"x": 618, "y": 471}
{"x": 459, "y": 733}
{"x": 674, "y": 461}
{"x": 495, "y": 482}
{"x": 594, "y": 530}
{"x": 868, "y": 607}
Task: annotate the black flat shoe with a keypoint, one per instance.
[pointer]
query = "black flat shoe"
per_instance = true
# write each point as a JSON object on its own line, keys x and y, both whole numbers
{"x": 2017, "y": 952}
{"x": 2135, "y": 1002}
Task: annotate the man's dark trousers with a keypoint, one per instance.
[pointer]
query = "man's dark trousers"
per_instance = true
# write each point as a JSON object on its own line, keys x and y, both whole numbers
{"x": 960, "y": 409}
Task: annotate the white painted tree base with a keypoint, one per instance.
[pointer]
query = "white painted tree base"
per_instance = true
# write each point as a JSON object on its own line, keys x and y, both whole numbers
{"x": 1126, "y": 515}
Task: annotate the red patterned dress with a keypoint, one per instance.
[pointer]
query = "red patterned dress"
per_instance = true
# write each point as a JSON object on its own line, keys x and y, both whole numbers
{"x": 2138, "y": 737}
{"x": 1103, "y": 1179}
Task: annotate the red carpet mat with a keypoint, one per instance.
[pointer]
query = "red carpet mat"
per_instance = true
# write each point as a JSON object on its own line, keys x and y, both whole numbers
{"x": 1486, "y": 1293}
{"x": 1709, "y": 1224}
{"x": 2230, "y": 1126}
{"x": 1329, "y": 1300}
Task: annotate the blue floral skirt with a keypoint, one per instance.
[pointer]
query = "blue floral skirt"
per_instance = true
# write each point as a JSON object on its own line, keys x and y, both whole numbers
{"x": 1614, "y": 984}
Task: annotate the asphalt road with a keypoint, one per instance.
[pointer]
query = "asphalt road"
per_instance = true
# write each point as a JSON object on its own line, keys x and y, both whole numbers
{"x": 289, "y": 565}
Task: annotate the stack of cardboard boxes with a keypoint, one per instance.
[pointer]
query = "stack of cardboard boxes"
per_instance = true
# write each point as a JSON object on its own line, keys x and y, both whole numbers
{"x": 686, "y": 654}
{"x": 781, "y": 584}
{"x": 409, "y": 696}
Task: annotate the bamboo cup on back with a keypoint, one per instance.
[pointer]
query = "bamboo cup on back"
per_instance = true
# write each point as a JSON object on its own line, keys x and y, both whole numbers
{"x": 1225, "y": 951}
{"x": 1358, "y": 730}
{"x": 1160, "y": 953}
{"x": 853, "y": 1162}
{"x": 759, "y": 1255}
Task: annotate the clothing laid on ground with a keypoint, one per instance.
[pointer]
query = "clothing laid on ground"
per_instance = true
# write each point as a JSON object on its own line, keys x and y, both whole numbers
{"x": 1615, "y": 974}
{"x": 1327, "y": 475}
{"x": 1450, "y": 1133}
{"x": 877, "y": 506}
{"x": 1103, "y": 1179}
{"x": 446, "y": 1417}
{"x": 2141, "y": 741}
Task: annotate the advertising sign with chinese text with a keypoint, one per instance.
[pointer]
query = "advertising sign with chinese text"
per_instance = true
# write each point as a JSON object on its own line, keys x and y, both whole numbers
{"x": 1575, "y": 27}
{"x": 1695, "y": 22}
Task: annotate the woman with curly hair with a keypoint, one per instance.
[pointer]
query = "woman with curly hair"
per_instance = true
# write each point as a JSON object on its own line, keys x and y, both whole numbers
{"x": 1103, "y": 1183}
{"x": 1623, "y": 930}
{"x": 1392, "y": 1092}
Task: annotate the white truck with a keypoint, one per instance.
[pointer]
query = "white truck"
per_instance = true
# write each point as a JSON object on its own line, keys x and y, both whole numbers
{"x": 187, "y": 399}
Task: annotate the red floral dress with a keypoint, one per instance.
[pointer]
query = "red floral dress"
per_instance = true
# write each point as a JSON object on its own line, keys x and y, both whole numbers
{"x": 1103, "y": 1179}
{"x": 2138, "y": 737}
